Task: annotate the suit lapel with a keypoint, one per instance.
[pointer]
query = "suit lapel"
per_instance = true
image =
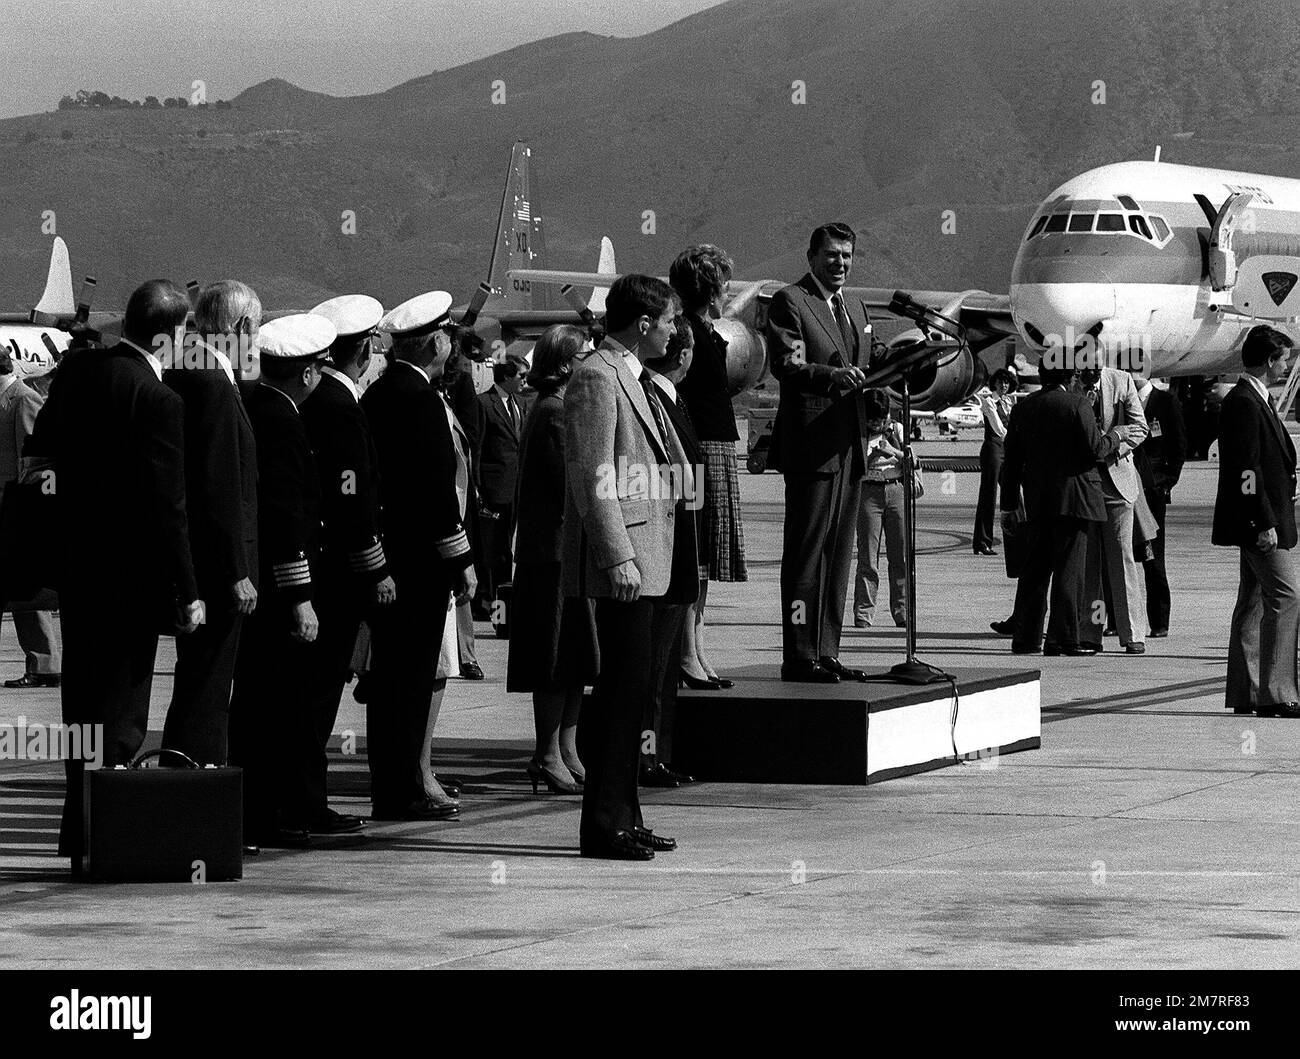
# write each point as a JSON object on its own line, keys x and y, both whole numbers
{"x": 823, "y": 314}
{"x": 638, "y": 398}
{"x": 1279, "y": 430}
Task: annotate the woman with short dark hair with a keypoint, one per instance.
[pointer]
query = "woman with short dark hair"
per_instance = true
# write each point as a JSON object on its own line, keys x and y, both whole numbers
{"x": 553, "y": 651}
{"x": 701, "y": 275}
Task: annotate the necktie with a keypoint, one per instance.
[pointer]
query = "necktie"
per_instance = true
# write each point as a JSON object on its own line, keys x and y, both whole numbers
{"x": 652, "y": 396}
{"x": 846, "y": 328}
{"x": 514, "y": 413}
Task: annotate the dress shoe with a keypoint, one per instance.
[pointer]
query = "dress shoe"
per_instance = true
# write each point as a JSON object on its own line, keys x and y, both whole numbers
{"x": 1071, "y": 650}
{"x": 1026, "y": 649}
{"x": 807, "y": 673}
{"x": 660, "y": 843}
{"x": 34, "y": 680}
{"x": 252, "y": 851}
{"x": 862, "y": 623}
{"x": 696, "y": 684}
{"x": 1278, "y": 709}
{"x": 658, "y": 776}
{"x": 1003, "y": 628}
{"x": 682, "y": 778}
{"x": 332, "y": 823}
{"x": 1157, "y": 634}
{"x": 283, "y": 838}
{"x": 1109, "y": 630}
{"x": 986, "y": 551}
{"x": 451, "y": 786}
{"x": 540, "y": 774}
{"x": 621, "y": 845}
{"x": 424, "y": 809}
{"x": 1135, "y": 648}
{"x": 1243, "y": 709}
{"x": 722, "y": 682}
{"x": 842, "y": 671}
{"x": 471, "y": 671}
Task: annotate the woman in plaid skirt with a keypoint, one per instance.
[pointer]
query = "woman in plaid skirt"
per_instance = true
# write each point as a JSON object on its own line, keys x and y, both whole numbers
{"x": 701, "y": 275}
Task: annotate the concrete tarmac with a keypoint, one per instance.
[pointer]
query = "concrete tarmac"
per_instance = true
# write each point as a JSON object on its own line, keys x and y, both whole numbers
{"x": 1152, "y": 830}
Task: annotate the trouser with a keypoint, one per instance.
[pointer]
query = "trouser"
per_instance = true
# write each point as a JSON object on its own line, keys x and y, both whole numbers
{"x": 1262, "y": 643}
{"x": 272, "y": 737}
{"x": 1056, "y": 553}
{"x": 108, "y": 674}
{"x": 340, "y": 608}
{"x": 39, "y": 639}
{"x": 405, "y": 639}
{"x": 609, "y": 728}
{"x": 198, "y": 718}
{"x": 497, "y": 555}
{"x": 816, "y": 556}
{"x": 1122, "y": 572}
{"x": 1153, "y": 570}
{"x": 665, "y": 671}
{"x": 986, "y": 507}
{"x": 880, "y": 516}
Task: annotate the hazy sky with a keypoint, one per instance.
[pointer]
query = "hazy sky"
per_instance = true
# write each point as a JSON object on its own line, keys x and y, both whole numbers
{"x": 135, "y": 48}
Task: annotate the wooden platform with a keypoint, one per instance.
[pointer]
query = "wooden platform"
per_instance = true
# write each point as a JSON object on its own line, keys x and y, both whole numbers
{"x": 767, "y": 731}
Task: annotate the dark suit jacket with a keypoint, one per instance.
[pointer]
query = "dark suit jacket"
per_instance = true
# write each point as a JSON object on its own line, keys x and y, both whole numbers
{"x": 114, "y": 436}
{"x": 705, "y": 389}
{"x": 1257, "y": 472}
{"x": 499, "y": 450}
{"x": 419, "y": 509}
{"x": 288, "y": 499}
{"x": 539, "y": 499}
{"x": 1051, "y": 452}
{"x": 1160, "y": 457}
{"x": 347, "y": 467}
{"x": 817, "y": 425}
{"x": 220, "y": 480}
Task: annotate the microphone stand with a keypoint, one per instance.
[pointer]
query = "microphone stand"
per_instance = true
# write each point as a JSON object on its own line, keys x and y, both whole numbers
{"x": 911, "y": 670}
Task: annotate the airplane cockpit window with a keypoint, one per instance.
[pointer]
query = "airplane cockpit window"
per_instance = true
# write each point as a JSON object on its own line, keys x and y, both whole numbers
{"x": 1110, "y": 222}
{"x": 1138, "y": 226}
{"x": 1127, "y": 202}
{"x": 1080, "y": 222}
{"x": 1056, "y": 222}
{"x": 1038, "y": 227}
{"x": 1161, "y": 229}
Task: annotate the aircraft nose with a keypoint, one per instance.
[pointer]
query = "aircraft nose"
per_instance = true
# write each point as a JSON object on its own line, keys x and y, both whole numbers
{"x": 1042, "y": 310}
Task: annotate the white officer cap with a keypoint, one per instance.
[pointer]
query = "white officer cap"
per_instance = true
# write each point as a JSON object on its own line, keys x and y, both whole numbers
{"x": 351, "y": 314}
{"x": 421, "y": 315}
{"x": 302, "y": 336}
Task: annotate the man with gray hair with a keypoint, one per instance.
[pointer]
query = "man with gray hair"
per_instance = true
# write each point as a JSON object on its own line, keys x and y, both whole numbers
{"x": 221, "y": 492}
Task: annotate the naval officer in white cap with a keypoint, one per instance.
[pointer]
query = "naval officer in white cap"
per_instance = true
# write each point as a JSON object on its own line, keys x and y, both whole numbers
{"x": 271, "y": 732}
{"x": 352, "y": 577}
{"x": 428, "y": 555}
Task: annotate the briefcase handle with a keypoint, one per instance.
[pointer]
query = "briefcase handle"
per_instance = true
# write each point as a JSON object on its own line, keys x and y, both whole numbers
{"x": 189, "y": 761}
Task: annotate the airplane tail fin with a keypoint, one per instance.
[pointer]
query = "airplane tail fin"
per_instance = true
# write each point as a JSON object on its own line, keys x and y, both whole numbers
{"x": 520, "y": 240}
{"x": 605, "y": 266}
{"x": 57, "y": 299}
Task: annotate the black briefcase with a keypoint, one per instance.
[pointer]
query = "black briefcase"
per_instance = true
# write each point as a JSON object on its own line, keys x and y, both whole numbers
{"x": 164, "y": 824}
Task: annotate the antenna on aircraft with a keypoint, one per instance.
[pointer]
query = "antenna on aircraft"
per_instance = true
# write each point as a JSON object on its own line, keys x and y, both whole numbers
{"x": 1157, "y": 157}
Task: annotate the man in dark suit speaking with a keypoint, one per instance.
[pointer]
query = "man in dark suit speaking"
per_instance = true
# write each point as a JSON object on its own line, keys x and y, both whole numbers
{"x": 1255, "y": 511}
{"x": 820, "y": 344}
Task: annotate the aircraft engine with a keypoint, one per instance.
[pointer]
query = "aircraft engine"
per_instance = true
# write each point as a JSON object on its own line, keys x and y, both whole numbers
{"x": 746, "y": 354}
{"x": 948, "y": 381}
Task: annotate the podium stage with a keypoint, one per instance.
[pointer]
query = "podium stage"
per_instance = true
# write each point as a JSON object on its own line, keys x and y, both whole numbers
{"x": 766, "y": 731}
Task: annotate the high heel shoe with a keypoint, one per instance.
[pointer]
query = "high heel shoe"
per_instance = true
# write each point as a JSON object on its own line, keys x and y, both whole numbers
{"x": 722, "y": 682}
{"x": 538, "y": 775}
{"x": 696, "y": 684}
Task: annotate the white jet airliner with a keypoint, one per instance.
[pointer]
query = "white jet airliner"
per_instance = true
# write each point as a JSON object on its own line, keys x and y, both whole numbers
{"x": 1172, "y": 263}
